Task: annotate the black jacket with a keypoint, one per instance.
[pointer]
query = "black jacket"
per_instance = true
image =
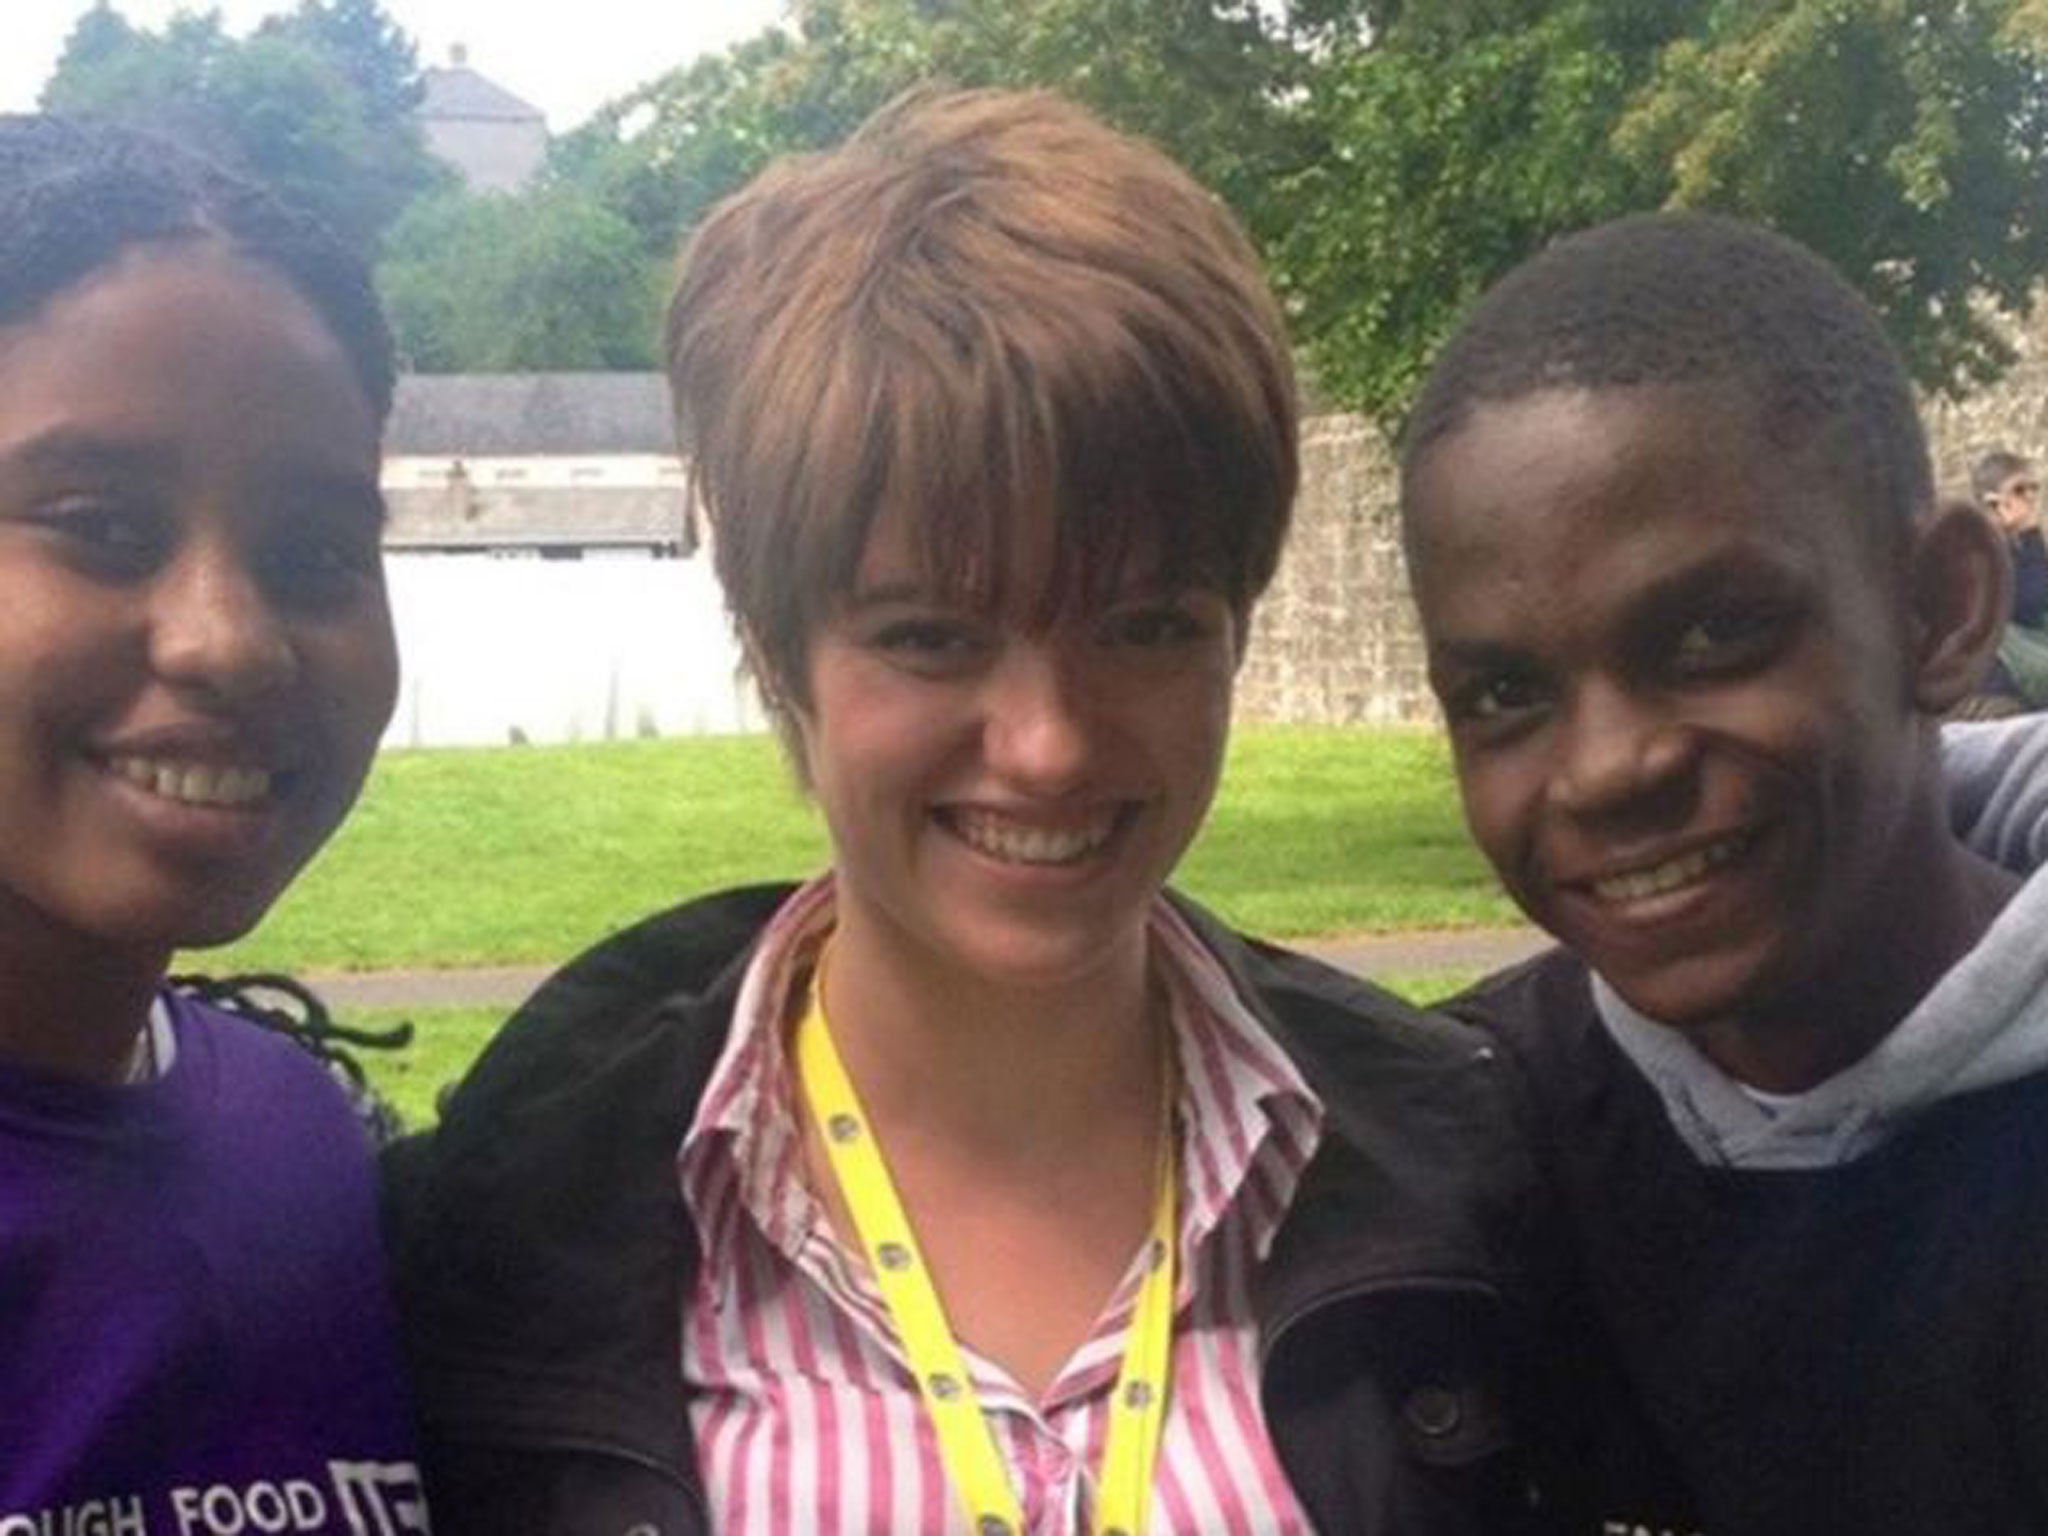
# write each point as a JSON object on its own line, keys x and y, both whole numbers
{"x": 2029, "y": 579}
{"x": 544, "y": 1250}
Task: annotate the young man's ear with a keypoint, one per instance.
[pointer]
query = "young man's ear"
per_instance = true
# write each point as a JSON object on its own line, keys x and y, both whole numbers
{"x": 1960, "y": 589}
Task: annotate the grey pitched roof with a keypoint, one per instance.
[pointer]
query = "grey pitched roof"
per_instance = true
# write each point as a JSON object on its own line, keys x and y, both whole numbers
{"x": 537, "y": 413}
{"x": 459, "y": 91}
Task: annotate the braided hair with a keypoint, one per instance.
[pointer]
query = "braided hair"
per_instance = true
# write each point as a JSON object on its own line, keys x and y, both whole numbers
{"x": 75, "y": 194}
{"x": 289, "y": 1007}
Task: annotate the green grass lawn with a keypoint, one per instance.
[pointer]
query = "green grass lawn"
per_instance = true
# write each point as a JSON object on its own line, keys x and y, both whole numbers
{"x": 446, "y": 1040}
{"x": 527, "y": 854}
{"x": 1338, "y": 831}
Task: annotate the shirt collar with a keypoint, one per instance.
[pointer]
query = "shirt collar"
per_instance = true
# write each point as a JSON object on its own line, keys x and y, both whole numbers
{"x": 1248, "y": 1121}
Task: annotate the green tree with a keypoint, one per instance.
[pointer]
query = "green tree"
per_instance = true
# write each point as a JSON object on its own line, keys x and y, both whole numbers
{"x": 1899, "y": 137}
{"x": 1205, "y": 78}
{"x": 1444, "y": 153}
{"x": 100, "y": 34}
{"x": 1209, "y": 81}
{"x": 314, "y": 103}
{"x": 546, "y": 279}
{"x": 111, "y": 68}
{"x": 369, "y": 49}
{"x": 661, "y": 156}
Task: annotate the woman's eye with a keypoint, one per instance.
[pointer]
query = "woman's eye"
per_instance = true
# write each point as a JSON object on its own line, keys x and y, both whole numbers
{"x": 922, "y": 635}
{"x": 318, "y": 569}
{"x": 929, "y": 644}
{"x": 104, "y": 531}
{"x": 1165, "y": 625}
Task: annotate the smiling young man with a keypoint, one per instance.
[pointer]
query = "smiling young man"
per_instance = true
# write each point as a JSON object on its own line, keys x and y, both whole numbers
{"x": 1692, "y": 614}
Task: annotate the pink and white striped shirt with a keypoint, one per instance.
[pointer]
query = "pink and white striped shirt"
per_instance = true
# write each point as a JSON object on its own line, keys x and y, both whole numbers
{"x": 805, "y": 1413}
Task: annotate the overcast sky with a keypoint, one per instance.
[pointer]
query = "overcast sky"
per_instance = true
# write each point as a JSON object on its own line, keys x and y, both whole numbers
{"x": 565, "y": 56}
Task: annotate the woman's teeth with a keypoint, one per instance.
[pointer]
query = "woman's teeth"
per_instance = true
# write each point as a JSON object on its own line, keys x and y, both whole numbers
{"x": 1016, "y": 843}
{"x": 195, "y": 783}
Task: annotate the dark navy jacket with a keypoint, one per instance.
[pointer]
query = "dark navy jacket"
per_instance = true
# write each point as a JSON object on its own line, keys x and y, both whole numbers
{"x": 1860, "y": 1349}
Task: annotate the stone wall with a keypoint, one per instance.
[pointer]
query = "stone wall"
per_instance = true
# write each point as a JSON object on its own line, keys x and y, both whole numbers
{"x": 1334, "y": 642}
{"x": 2013, "y": 415}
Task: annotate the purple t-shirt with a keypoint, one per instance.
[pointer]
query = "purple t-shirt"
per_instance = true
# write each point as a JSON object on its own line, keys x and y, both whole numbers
{"x": 196, "y": 1335}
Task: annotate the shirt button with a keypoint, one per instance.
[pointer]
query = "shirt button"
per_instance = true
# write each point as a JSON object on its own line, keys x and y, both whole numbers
{"x": 1433, "y": 1411}
{"x": 992, "y": 1525}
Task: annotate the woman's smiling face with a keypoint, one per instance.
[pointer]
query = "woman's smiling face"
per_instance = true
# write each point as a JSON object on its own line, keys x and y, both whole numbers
{"x": 196, "y": 657}
{"x": 1007, "y": 797}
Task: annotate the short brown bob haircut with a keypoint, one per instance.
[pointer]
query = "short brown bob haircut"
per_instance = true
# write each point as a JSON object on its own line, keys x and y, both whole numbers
{"x": 989, "y": 313}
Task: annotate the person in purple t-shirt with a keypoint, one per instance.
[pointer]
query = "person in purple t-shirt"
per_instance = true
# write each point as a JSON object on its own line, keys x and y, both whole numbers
{"x": 196, "y": 662}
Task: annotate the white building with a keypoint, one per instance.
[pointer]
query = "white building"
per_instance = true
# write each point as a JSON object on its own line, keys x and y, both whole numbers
{"x": 496, "y": 141}
{"x": 546, "y": 574}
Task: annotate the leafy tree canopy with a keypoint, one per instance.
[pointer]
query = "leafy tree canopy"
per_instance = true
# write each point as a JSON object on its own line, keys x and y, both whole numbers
{"x": 1393, "y": 159}
{"x": 316, "y": 102}
{"x": 1901, "y": 138}
{"x": 364, "y": 44}
{"x": 1200, "y": 78}
{"x": 496, "y": 283}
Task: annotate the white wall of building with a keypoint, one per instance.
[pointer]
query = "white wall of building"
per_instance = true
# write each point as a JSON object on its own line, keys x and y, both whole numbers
{"x": 495, "y": 650}
{"x": 492, "y": 154}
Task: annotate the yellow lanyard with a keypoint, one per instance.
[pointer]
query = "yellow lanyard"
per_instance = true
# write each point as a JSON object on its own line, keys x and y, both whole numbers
{"x": 1137, "y": 1413}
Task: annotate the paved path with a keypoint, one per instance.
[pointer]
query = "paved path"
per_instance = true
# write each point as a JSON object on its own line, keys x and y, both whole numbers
{"x": 1462, "y": 949}
{"x": 1369, "y": 954}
